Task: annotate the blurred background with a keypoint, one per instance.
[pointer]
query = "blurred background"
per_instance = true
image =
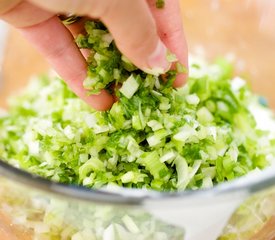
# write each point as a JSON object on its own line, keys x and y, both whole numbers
{"x": 244, "y": 31}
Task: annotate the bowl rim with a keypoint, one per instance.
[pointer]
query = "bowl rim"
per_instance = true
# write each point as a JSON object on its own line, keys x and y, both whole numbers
{"x": 250, "y": 183}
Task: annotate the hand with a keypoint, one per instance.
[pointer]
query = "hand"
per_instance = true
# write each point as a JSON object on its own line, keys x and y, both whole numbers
{"x": 141, "y": 31}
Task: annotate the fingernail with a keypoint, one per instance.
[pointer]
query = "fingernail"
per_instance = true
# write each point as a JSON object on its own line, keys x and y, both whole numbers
{"x": 157, "y": 61}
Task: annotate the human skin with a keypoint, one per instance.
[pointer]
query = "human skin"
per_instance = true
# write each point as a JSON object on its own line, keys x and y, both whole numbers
{"x": 142, "y": 32}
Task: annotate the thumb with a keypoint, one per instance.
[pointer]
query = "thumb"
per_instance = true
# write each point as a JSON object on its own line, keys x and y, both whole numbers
{"x": 131, "y": 24}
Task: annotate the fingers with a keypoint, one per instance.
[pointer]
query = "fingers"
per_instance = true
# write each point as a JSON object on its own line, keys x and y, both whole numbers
{"x": 25, "y": 14}
{"x": 56, "y": 43}
{"x": 131, "y": 24}
{"x": 170, "y": 30}
{"x": 137, "y": 38}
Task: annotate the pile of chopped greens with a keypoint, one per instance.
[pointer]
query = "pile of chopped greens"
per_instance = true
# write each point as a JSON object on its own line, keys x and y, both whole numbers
{"x": 154, "y": 137}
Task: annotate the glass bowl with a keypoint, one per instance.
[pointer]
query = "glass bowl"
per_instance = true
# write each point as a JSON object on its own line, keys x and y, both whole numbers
{"x": 35, "y": 208}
